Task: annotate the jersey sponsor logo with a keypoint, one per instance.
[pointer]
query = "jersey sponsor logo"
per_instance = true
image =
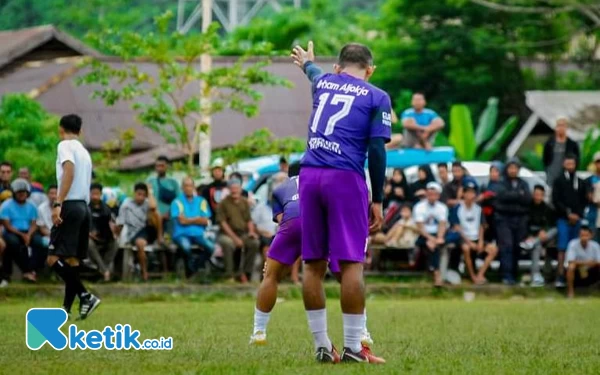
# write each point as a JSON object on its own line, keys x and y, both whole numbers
{"x": 386, "y": 118}
{"x": 295, "y": 197}
{"x": 320, "y": 143}
{"x": 347, "y": 88}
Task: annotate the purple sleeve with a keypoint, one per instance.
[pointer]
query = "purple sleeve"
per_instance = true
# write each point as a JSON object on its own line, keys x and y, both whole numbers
{"x": 381, "y": 123}
{"x": 277, "y": 206}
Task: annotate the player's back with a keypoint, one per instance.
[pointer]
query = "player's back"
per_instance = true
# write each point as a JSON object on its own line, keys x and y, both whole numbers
{"x": 286, "y": 200}
{"x": 347, "y": 113}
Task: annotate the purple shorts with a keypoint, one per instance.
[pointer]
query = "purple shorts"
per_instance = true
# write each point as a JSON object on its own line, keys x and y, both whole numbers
{"x": 286, "y": 248}
{"x": 334, "y": 211}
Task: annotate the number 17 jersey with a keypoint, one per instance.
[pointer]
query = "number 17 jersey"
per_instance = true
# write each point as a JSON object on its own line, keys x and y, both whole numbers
{"x": 347, "y": 113}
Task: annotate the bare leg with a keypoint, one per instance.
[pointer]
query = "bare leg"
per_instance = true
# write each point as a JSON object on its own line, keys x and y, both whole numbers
{"x": 492, "y": 251}
{"x": 267, "y": 292}
{"x": 561, "y": 263}
{"x": 140, "y": 244}
{"x": 296, "y": 272}
{"x": 395, "y": 142}
{"x": 469, "y": 262}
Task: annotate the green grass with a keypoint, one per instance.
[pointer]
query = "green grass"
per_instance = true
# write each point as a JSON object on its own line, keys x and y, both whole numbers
{"x": 540, "y": 336}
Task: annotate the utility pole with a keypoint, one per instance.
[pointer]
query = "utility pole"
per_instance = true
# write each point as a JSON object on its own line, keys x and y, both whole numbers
{"x": 204, "y": 144}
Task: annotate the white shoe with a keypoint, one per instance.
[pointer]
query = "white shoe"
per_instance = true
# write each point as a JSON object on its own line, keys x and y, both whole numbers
{"x": 258, "y": 339}
{"x": 3, "y": 284}
{"x": 366, "y": 338}
{"x": 538, "y": 281}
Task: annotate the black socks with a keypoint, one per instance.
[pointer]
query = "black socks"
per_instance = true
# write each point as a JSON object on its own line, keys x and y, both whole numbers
{"x": 73, "y": 285}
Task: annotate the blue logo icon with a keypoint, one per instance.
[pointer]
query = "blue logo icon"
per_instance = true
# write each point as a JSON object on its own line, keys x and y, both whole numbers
{"x": 42, "y": 325}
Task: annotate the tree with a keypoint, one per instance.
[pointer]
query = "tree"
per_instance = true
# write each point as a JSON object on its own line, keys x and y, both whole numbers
{"x": 169, "y": 102}
{"x": 22, "y": 121}
{"x": 262, "y": 142}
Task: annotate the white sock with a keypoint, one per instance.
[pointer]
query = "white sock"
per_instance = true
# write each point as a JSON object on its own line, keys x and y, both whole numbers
{"x": 261, "y": 319}
{"x": 353, "y": 329}
{"x": 365, "y": 314}
{"x": 317, "y": 321}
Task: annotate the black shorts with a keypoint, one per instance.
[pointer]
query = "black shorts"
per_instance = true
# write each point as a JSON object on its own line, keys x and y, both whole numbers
{"x": 70, "y": 239}
{"x": 593, "y": 276}
{"x": 147, "y": 233}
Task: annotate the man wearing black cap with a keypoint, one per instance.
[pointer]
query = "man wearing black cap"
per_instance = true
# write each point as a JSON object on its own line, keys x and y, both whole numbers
{"x": 468, "y": 220}
{"x": 513, "y": 199}
{"x": 583, "y": 258}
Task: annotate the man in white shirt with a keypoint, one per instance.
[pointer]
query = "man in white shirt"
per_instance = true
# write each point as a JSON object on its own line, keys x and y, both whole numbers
{"x": 468, "y": 221}
{"x": 71, "y": 216}
{"x": 583, "y": 259}
{"x": 431, "y": 217}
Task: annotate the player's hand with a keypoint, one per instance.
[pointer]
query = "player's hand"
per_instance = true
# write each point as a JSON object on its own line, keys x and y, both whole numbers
{"x": 26, "y": 239}
{"x": 56, "y": 220}
{"x": 301, "y": 57}
{"x": 376, "y": 219}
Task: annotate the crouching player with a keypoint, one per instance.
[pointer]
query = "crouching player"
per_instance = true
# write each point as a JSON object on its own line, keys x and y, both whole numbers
{"x": 285, "y": 250}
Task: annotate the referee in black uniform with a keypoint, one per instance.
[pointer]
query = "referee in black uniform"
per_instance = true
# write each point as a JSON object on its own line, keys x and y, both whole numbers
{"x": 70, "y": 215}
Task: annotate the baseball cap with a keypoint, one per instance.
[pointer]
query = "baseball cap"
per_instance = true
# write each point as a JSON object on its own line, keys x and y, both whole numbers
{"x": 20, "y": 185}
{"x": 234, "y": 181}
{"x": 434, "y": 186}
{"x": 217, "y": 163}
{"x": 597, "y": 156}
{"x": 585, "y": 225}
{"x": 470, "y": 184}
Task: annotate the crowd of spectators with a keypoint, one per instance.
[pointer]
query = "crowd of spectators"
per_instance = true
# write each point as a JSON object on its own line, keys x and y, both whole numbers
{"x": 444, "y": 214}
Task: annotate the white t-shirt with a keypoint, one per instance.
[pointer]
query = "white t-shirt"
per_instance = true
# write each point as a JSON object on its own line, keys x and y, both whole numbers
{"x": 470, "y": 220}
{"x": 73, "y": 151}
{"x": 575, "y": 252}
{"x": 430, "y": 215}
{"x": 45, "y": 215}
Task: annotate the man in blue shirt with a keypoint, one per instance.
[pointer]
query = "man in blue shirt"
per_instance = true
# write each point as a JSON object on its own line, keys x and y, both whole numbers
{"x": 20, "y": 232}
{"x": 191, "y": 215}
{"x": 420, "y": 124}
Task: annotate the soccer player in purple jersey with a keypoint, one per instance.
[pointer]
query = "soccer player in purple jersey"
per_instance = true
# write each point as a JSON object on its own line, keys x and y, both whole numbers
{"x": 350, "y": 120}
{"x": 283, "y": 253}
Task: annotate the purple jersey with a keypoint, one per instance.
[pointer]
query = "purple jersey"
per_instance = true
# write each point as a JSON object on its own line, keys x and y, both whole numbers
{"x": 347, "y": 113}
{"x": 285, "y": 200}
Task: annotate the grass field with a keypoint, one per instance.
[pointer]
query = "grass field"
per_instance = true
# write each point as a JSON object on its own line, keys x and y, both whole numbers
{"x": 421, "y": 337}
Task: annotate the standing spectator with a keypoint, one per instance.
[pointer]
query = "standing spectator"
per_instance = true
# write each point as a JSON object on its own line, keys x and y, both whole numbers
{"x": 420, "y": 124}
{"x": 569, "y": 198}
{"x": 165, "y": 189}
{"x": 137, "y": 216}
{"x": 443, "y": 173}
{"x": 20, "y": 232}
{"x": 37, "y": 196}
{"x": 284, "y": 166}
{"x": 512, "y": 210}
{"x": 468, "y": 221}
{"x": 102, "y": 244}
{"x": 237, "y": 231}
{"x": 555, "y": 150}
{"x": 541, "y": 230}
{"x": 593, "y": 192}
{"x": 419, "y": 187}
{"x": 583, "y": 258}
{"x": 5, "y": 179}
{"x": 453, "y": 190}
{"x": 487, "y": 200}
{"x": 215, "y": 191}
{"x": 400, "y": 191}
{"x": 44, "y": 220}
{"x": 191, "y": 216}
{"x": 431, "y": 217}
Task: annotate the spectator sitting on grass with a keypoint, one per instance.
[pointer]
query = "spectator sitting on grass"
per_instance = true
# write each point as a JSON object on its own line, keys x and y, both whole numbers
{"x": 431, "y": 217}
{"x": 583, "y": 258}
{"x": 467, "y": 219}
{"x": 191, "y": 216}
{"x": 541, "y": 230}
{"x": 20, "y": 232}
{"x": 5, "y": 179}
{"x": 140, "y": 218}
{"x": 102, "y": 245}
{"x": 238, "y": 232}
{"x": 420, "y": 124}
{"x": 44, "y": 220}
{"x": 569, "y": 197}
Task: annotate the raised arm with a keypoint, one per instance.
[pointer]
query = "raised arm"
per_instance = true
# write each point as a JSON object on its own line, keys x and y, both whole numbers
{"x": 305, "y": 61}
